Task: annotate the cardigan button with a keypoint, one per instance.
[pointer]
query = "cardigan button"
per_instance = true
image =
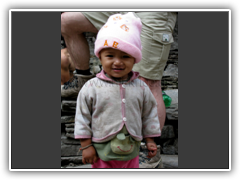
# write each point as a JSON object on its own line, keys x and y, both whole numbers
{"x": 125, "y": 119}
{"x": 123, "y": 85}
{"x": 123, "y": 100}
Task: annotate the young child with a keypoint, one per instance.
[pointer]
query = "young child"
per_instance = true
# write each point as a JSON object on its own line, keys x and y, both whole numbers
{"x": 116, "y": 110}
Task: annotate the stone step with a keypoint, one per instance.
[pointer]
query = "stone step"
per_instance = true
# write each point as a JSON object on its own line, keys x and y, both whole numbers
{"x": 68, "y": 106}
{"x": 170, "y": 161}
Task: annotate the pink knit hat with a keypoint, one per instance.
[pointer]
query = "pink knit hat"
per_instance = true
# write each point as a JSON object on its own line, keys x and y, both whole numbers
{"x": 121, "y": 32}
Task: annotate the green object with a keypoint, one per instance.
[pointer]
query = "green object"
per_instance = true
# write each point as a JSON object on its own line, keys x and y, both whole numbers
{"x": 121, "y": 136}
{"x": 121, "y": 148}
{"x": 167, "y": 99}
{"x": 124, "y": 146}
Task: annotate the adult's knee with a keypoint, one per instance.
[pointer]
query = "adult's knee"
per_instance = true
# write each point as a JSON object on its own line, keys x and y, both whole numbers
{"x": 65, "y": 22}
{"x": 73, "y": 23}
{"x": 70, "y": 22}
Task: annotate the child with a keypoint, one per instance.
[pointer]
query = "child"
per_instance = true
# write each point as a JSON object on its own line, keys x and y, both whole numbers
{"x": 116, "y": 110}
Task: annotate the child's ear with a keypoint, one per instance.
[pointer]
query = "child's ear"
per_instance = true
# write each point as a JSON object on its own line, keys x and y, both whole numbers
{"x": 100, "y": 56}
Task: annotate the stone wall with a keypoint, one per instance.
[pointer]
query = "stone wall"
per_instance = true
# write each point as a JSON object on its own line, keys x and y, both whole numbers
{"x": 169, "y": 137}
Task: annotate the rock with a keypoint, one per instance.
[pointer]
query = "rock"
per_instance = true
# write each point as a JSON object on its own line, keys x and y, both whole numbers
{"x": 70, "y": 135}
{"x": 170, "y": 77}
{"x": 70, "y": 150}
{"x": 68, "y": 106}
{"x": 167, "y": 132}
{"x": 69, "y": 130}
{"x": 172, "y": 55}
{"x": 168, "y": 142}
{"x": 67, "y": 119}
{"x": 69, "y": 125}
{"x": 170, "y": 149}
{"x": 175, "y": 144}
{"x": 169, "y": 86}
{"x": 170, "y": 161}
{"x": 71, "y": 160}
{"x": 88, "y": 166}
{"x": 173, "y": 52}
{"x": 174, "y": 45}
{"x": 95, "y": 64}
{"x": 95, "y": 69}
{"x": 171, "y": 72}
{"x": 69, "y": 141}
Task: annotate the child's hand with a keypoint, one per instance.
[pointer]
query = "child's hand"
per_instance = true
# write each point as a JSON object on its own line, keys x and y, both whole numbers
{"x": 152, "y": 149}
{"x": 89, "y": 155}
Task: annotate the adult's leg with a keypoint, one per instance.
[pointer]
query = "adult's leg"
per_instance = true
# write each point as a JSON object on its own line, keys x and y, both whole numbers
{"x": 73, "y": 25}
{"x": 155, "y": 87}
{"x": 155, "y": 52}
{"x": 67, "y": 66}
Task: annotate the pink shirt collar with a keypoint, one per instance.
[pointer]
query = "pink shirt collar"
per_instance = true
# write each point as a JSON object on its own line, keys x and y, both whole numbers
{"x": 102, "y": 76}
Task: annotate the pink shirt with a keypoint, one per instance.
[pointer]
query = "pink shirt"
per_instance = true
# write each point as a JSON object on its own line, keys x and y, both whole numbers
{"x": 104, "y": 107}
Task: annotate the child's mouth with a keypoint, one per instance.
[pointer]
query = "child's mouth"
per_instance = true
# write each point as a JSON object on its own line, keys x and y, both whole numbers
{"x": 118, "y": 69}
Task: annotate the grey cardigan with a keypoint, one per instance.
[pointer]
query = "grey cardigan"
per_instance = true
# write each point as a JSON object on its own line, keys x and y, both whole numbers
{"x": 104, "y": 107}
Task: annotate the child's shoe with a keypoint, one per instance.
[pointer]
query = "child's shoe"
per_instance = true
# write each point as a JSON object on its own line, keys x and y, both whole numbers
{"x": 144, "y": 162}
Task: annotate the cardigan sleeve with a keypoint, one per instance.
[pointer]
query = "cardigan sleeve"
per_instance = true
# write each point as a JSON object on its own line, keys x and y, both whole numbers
{"x": 150, "y": 121}
{"x": 83, "y": 116}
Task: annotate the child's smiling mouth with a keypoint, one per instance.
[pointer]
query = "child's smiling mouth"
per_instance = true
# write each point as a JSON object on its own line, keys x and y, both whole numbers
{"x": 117, "y": 69}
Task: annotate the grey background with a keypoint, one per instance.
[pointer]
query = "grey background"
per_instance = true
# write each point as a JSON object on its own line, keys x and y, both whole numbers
{"x": 203, "y": 94}
{"x": 203, "y": 90}
{"x": 36, "y": 113}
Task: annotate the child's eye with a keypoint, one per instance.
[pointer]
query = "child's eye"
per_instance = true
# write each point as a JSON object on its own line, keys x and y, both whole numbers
{"x": 109, "y": 55}
{"x": 126, "y": 56}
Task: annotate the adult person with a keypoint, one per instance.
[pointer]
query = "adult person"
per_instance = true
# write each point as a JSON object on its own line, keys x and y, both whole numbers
{"x": 156, "y": 38}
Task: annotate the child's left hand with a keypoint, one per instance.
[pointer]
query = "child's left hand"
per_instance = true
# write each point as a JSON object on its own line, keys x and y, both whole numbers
{"x": 152, "y": 149}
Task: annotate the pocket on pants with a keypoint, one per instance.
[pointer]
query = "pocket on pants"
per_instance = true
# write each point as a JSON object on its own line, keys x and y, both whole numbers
{"x": 156, "y": 46}
{"x": 160, "y": 47}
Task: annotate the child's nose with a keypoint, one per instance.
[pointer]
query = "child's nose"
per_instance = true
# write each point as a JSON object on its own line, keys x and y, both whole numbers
{"x": 117, "y": 61}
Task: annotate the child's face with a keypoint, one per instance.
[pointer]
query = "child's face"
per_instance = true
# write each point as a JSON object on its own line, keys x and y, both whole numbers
{"x": 116, "y": 63}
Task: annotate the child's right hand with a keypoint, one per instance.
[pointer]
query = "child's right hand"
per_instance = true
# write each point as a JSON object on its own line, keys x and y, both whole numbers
{"x": 89, "y": 155}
